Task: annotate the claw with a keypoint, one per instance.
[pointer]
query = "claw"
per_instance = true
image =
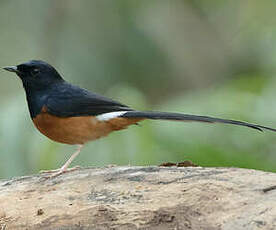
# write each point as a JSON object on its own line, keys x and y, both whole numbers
{"x": 56, "y": 172}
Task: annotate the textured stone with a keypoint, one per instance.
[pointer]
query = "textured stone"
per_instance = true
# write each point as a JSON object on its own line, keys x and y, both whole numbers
{"x": 141, "y": 198}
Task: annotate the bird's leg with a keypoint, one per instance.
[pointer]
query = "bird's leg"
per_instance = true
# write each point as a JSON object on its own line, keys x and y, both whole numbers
{"x": 65, "y": 168}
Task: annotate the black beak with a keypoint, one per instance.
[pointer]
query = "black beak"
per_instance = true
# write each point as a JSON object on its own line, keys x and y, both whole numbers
{"x": 11, "y": 69}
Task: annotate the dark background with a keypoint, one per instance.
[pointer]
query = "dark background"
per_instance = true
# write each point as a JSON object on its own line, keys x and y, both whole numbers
{"x": 207, "y": 57}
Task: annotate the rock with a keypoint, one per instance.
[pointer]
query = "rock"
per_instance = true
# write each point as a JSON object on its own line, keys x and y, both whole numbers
{"x": 141, "y": 198}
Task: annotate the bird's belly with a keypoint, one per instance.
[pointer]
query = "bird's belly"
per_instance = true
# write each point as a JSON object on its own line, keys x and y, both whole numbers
{"x": 78, "y": 130}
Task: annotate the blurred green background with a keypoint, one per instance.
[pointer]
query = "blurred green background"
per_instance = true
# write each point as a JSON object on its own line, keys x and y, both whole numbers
{"x": 206, "y": 57}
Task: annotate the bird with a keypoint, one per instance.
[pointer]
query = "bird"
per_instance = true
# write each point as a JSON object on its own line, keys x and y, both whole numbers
{"x": 69, "y": 114}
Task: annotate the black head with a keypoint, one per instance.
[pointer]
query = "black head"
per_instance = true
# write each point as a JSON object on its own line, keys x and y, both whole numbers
{"x": 36, "y": 74}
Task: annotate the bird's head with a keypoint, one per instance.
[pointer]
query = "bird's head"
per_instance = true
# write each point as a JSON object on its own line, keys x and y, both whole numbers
{"x": 35, "y": 74}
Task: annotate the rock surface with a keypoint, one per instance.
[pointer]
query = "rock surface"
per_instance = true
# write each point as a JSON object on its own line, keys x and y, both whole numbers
{"x": 141, "y": 198}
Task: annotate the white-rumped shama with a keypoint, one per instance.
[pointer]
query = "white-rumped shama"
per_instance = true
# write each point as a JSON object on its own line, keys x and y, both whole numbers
{"x": 69, "y": 114}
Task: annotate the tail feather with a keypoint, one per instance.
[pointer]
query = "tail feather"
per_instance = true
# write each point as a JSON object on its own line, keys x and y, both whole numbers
{"x": 188, "y": 117}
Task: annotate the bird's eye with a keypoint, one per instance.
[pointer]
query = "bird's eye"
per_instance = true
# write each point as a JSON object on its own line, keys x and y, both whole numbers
{"x": 35, "y": 71}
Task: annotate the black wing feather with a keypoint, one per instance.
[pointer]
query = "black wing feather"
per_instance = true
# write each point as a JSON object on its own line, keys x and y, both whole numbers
{"x": 66, "y": 100}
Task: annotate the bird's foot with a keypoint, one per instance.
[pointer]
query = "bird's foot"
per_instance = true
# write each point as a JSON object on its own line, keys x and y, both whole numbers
{"x": 56, "y": 172}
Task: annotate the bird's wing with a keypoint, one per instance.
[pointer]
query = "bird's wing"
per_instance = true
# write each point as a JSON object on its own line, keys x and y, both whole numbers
{"x": 70, "y": 101}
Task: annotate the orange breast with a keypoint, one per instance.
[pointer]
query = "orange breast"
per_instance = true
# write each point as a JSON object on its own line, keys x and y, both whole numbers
{"x": 78, "y": 130}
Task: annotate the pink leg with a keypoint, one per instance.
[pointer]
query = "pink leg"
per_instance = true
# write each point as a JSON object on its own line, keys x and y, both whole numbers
{"x": 65, "y": 168}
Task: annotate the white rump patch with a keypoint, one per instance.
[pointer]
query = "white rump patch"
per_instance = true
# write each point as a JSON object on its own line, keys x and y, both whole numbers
{"x": 111, "y": 115}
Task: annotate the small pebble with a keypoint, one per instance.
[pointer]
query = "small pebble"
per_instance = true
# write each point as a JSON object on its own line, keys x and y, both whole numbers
{"x": 40, "y": 212}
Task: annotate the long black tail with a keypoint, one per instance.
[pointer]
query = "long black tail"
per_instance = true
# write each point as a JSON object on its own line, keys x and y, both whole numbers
{"x": 187, "y": 117}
